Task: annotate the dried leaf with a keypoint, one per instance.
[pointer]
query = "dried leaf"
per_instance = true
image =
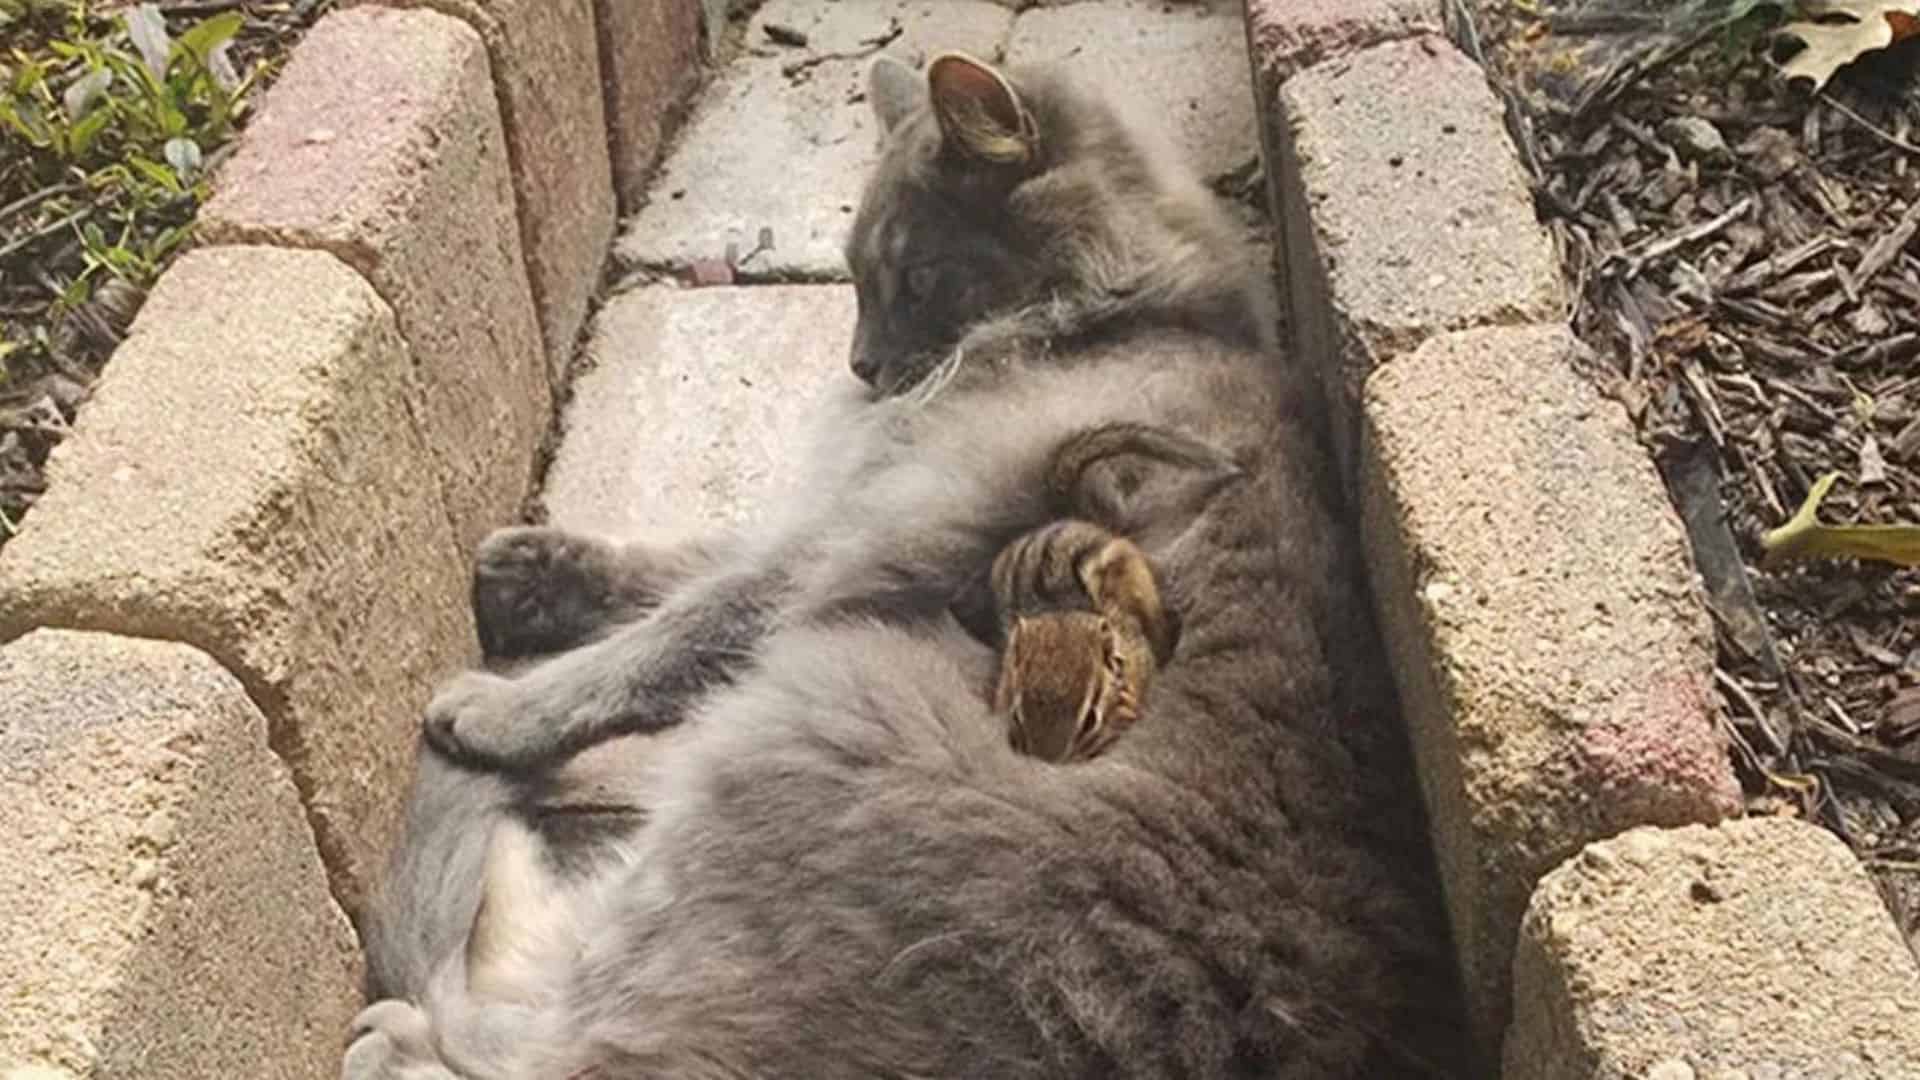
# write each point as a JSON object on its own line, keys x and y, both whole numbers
{"x": 1873, "y": 467}
{"x": 85, "y": 91}
{"x": 710, "y": 272}
{"x": 1804, "y": 537}
{"x": 1858, "y": 27}
{"x": 149, "y": 32}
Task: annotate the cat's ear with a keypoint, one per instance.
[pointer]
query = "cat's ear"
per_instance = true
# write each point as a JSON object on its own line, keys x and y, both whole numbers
{"x": 893, "y": 89}
{"x": 980, "y": 113}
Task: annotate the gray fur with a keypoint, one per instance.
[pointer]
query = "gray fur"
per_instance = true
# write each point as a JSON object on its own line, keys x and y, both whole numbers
{"x": 842, "y": 869}
{"x": 894, "y": 90}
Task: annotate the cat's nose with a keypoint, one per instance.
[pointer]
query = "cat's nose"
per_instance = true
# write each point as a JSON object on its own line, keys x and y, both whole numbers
{"x": 865, "y": 367}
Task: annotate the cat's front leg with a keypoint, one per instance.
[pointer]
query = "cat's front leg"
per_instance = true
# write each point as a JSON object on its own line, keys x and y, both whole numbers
{"x": 645, "y": 676}
{"x": 392, "y": 1040}
{"x": 539, "y": 590}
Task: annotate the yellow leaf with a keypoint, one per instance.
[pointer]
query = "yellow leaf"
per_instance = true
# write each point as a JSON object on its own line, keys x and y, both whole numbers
{"x": 1803, "y": 537}
{"x": 1856, "y": 27}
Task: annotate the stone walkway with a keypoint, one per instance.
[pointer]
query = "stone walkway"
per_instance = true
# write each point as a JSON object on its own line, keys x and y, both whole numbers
{"x": 692, "y": 397}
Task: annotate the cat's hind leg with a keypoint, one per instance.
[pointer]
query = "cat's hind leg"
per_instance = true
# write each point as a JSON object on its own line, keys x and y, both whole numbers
{"x": 539, "y": 589}
{"x": 392, "y": 1040}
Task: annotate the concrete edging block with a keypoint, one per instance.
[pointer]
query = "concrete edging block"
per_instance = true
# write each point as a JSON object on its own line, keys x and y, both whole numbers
{"x": 381, "y": 143}
{"x": 546, "y": 69}
{"x": 650, "y": 66}
{"x": 1757, "y": 949}
{"x": 1543, "y": 622}
{"x": 162, "y": 911}
{"x": 250, "y": 479}
{"x": 1405, "y": 215}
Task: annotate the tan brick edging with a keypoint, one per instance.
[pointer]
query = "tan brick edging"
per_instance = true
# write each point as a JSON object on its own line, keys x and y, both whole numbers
{"x": 249, "y": 570}
{"x": 1535, "y": 588}
{"x": 1757, "y": 948}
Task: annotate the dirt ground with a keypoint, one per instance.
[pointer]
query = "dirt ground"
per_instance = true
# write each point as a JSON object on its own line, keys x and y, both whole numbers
{"x": 1743, "y": 254}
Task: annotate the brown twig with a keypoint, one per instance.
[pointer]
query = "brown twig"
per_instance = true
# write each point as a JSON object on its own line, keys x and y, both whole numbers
{"x": 28, "y": 202}
{"x": 1629, "y": 264}
{"x": 202, "y": 7}
{"x": 45, "y": 231}
{"x": 873, "y": 45}
{"x": 1884, "y": 136}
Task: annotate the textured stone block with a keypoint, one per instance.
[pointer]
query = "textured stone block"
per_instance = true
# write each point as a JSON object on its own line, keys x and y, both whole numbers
{"x": 692, "y": 412}
{"x": 546, "y": 70}
{"x": 381, "y": 143}
{"x": 1405, "y": 214}
{"x": 650, "y": 65}
{"x": 249, "y": 478}
{"x": 1181, "y": 66}
{"x": 1543, "y": 621}
{"x": 1286, "y": 36}
{"x": 163, "y": 913}
{"x": 784, "y": 138}
{"x": 1757, "y": 949}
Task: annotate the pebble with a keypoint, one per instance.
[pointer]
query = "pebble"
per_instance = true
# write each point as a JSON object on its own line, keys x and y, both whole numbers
{"x": 1696, "y": 139}
{"x": 1671, "y": 1069}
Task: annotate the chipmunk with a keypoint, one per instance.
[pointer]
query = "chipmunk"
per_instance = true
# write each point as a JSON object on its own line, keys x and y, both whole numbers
{"x": 1084, "y": 631}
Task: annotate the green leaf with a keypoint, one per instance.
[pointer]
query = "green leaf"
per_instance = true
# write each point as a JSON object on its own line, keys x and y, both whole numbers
{"x": 25, "y": 117}
{"x": 1804, "y": 537}
{"x": 155, "y": 173}
{"x": 203, "y": 37}
{"x": 184, "y": 155}
{"x": 30, "y": 74}
{"x": 81, "y": 136}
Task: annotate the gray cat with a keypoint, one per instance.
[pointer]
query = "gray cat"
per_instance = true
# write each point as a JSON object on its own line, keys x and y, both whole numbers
{"x": 838, "y": 867}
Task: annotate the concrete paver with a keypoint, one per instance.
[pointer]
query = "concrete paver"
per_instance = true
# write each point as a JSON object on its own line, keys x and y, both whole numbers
{"x": 650, "y": 56}
{"x": 1759, "y": 948}
{"x": 163, "y": 912}
{"x": 691, "y": 412}
{"x": 1183, "y": 65}
{"x": 789, "y": 151}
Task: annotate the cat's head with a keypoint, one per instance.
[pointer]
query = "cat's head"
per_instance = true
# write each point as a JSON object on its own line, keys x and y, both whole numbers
{"x": 1000, "y": 192}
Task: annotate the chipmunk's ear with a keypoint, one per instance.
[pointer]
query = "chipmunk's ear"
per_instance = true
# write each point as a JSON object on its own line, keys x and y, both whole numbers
{"x": 981, "y": 115}
{"x": 893, "y": 89}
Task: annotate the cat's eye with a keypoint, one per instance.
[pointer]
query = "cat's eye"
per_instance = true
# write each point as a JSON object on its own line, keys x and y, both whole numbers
{"x": 921, "y": 281}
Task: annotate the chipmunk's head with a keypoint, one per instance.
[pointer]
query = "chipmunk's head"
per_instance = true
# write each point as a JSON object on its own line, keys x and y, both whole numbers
{"x": 1063, "y": 685}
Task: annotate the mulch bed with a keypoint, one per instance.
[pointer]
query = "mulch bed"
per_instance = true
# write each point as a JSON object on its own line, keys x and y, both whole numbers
{"x": 1744, "y": 258}
{"x": 56, "y": 338}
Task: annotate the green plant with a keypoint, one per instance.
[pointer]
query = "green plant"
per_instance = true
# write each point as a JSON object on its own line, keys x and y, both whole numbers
{"x": 133, "y": 96}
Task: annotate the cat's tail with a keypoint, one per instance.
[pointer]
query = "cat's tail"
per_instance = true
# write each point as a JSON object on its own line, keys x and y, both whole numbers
{"x": 524, "y": 929}
{"x": 496, "y": 997}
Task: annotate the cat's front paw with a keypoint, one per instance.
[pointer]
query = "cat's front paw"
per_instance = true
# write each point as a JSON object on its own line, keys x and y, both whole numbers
{"x": 540, "y": 590}
{"x": 391, "y": 1040}
{"x": 483, "y": 719}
